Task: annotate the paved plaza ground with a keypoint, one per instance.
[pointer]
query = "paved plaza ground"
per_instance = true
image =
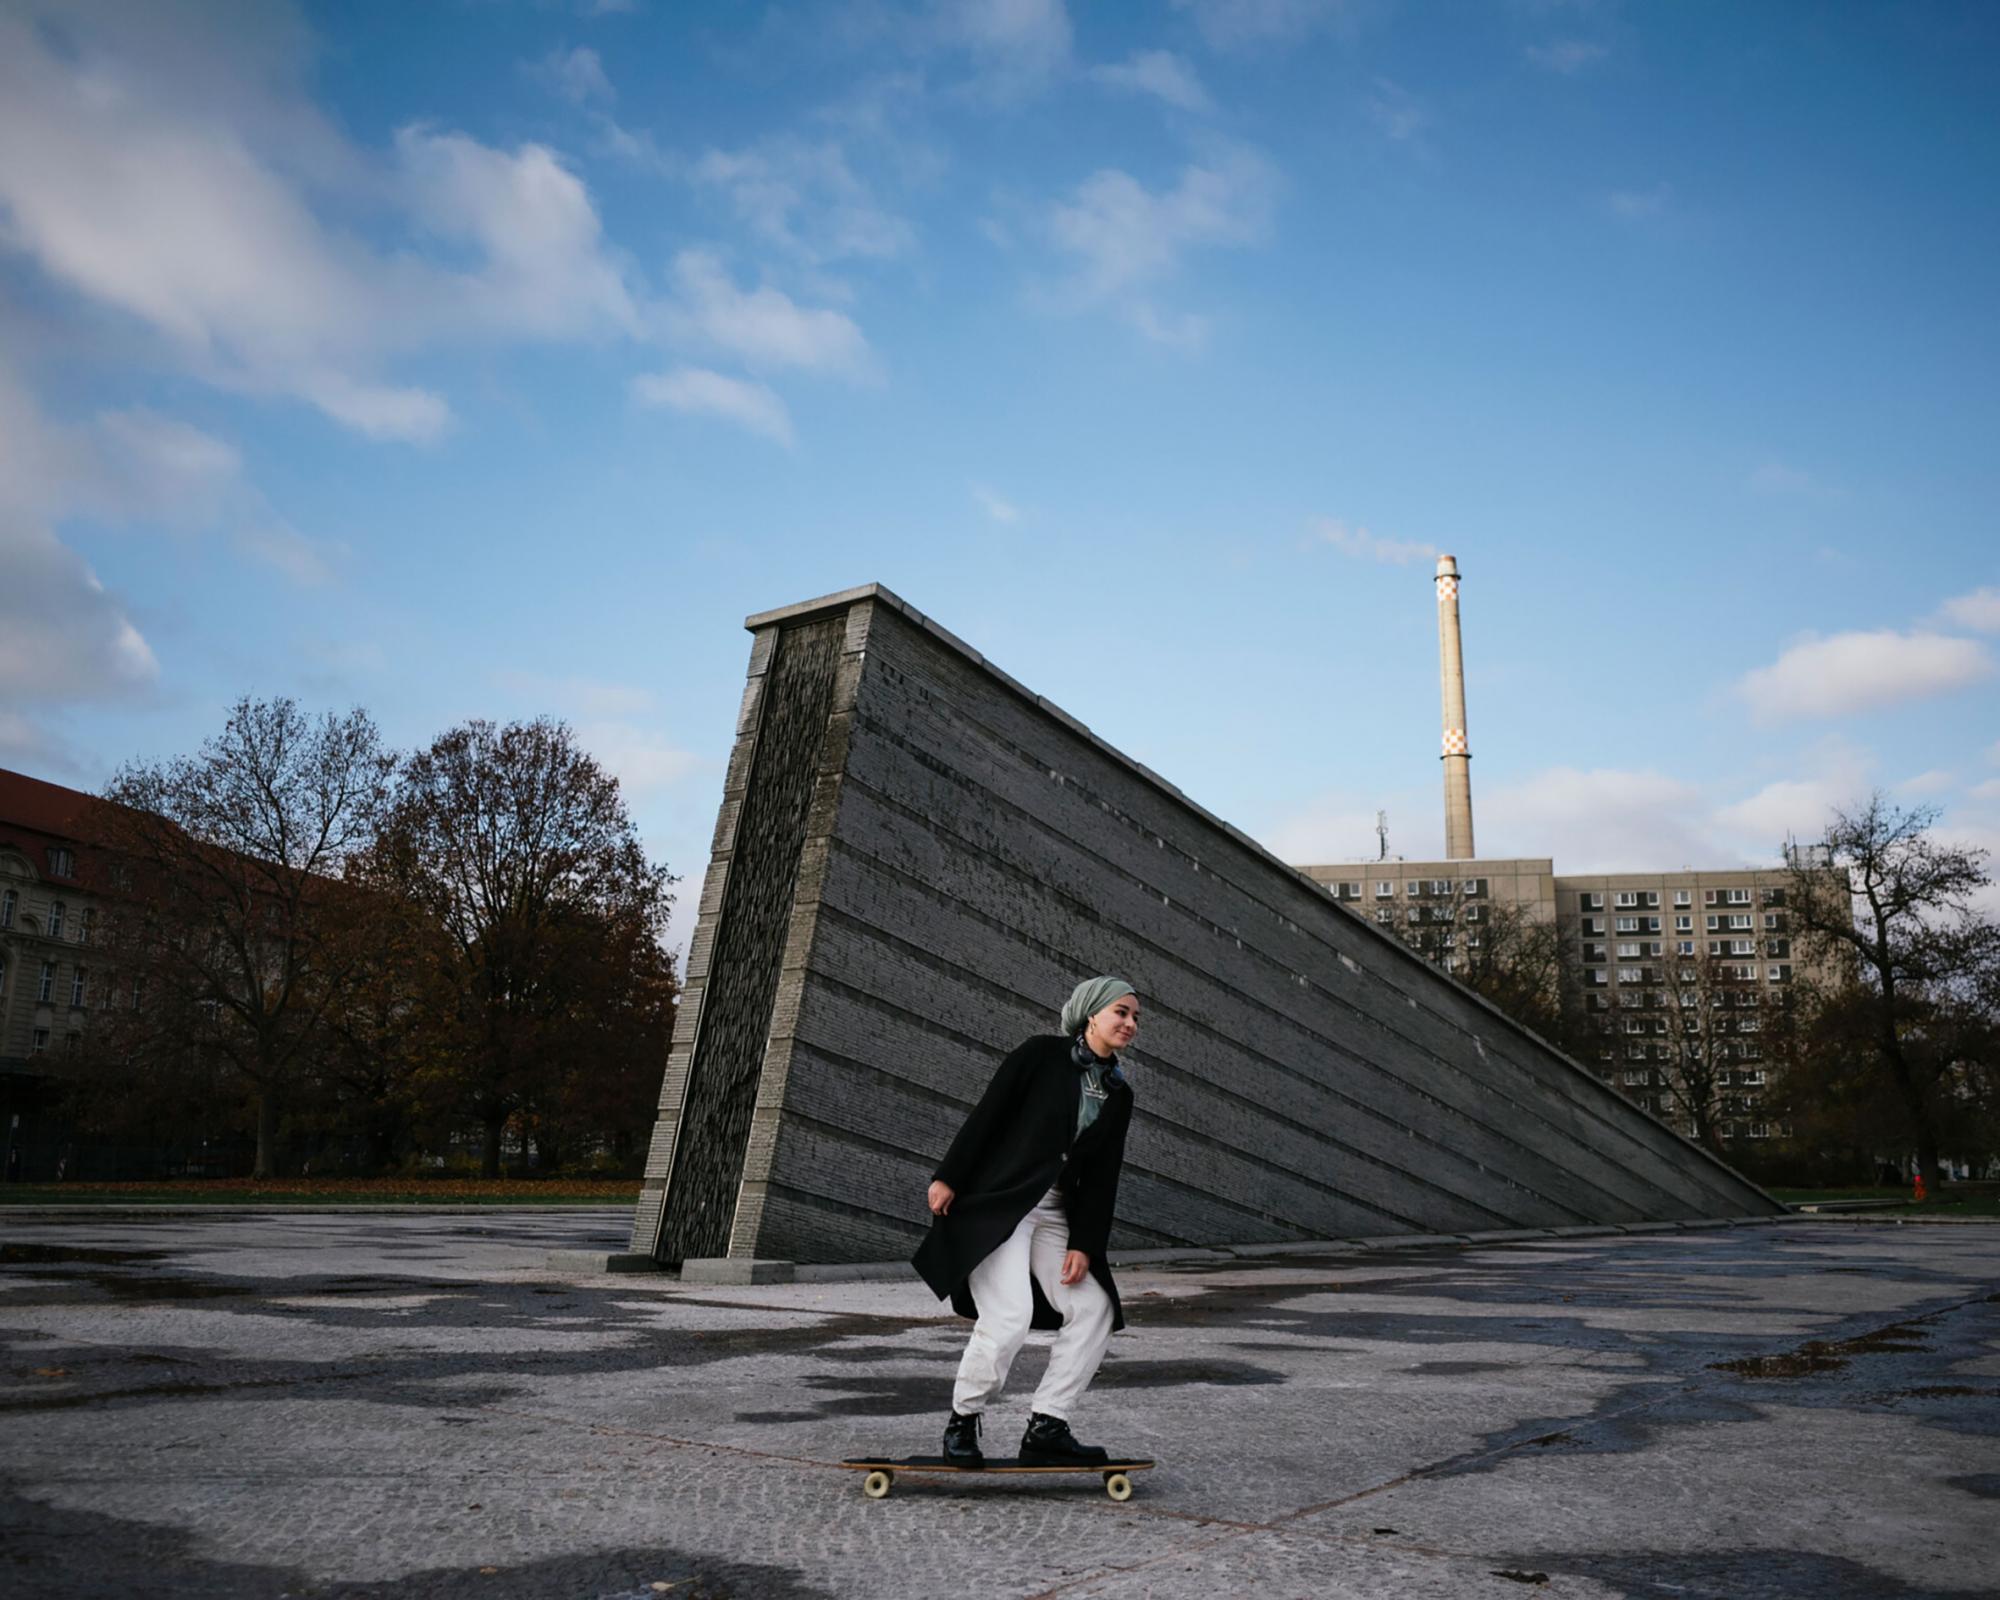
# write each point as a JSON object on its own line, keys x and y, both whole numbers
{"x": 347, "y": 1405}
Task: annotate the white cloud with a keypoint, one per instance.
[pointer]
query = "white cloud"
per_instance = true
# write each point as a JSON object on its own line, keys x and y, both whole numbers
{"x": 994, "y": 506}
{"x": 1988, "y": 790}
{"x": 577, "y": 75}
{"x": 1251, "y": 24}
{"x": 1600, "y": 820}
{"x": 643, "y": 762}
{"x": 165, "y": 164}
{"x": 1566, "y": 56}
{"x": 1016, "y": 46}
{"x": 1791, "y": 808}
{"x": 1979, "y": 610}
{"x": 589, "y": 696}
{"x": 1640, "y": 205}
{"x": 805, "y": 197}
{"x": 1125, "y": 237}
{"x": 63, "y": 638}
{"x": 1852, "y": 672}
{"x": 159, "y": 467}
{"x": 763, "y": 327}
{"x": 1362, "y": 544}
{"x": 1775, "y": 477}
{"x": 545, "y": 272}
{"x": 309, "y": 563}
{"x": 1160, "y": 73}
{"x": 696, "y": 391}
{"x": 1934, "y": 781}
{"x": 1399, "y": 116}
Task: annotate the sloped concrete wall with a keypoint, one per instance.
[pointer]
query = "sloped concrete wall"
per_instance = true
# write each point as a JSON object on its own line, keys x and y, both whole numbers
{"x": 916, "y": 859}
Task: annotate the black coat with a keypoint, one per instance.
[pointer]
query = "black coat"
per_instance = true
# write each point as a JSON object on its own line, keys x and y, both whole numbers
{"x": 1019, "y": 1140}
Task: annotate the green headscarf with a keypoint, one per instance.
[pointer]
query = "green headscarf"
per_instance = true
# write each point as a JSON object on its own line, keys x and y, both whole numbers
{"x": 1090, "y": 997}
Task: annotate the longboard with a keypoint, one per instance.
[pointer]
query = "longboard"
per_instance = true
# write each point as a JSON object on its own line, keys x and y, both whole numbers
{"x": 881, "y": 1474}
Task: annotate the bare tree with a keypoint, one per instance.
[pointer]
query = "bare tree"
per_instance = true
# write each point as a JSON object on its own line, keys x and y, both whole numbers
{"x": 1719, "y": 1035}
{"x": 1889, "y": 910}
{"x": 234, "y": 923}
{"x": 1504, "y": 953}
{"x": 518, "y": 846}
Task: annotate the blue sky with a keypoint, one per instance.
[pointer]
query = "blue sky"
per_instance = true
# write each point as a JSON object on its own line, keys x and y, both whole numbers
{"x": 493, "y": 359}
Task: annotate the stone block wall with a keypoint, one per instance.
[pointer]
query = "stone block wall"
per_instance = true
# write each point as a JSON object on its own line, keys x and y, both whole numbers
{"x": 917, "y": 857}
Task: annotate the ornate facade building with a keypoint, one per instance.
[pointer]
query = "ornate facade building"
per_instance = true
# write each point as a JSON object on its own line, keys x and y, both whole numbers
{"x": 53, "y": 882}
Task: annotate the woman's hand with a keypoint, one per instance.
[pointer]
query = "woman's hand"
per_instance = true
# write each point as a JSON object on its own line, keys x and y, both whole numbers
{"x": 1075, "y": 1265}
{"x": 940, "y": 1198}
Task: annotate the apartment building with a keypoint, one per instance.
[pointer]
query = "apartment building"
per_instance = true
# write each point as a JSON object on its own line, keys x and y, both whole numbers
{"x": 52, "y": 889}
{"x": 1671, "y": 963}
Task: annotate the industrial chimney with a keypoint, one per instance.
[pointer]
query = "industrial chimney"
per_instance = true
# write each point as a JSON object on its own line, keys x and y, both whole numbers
{"x": 1457, "y": 757}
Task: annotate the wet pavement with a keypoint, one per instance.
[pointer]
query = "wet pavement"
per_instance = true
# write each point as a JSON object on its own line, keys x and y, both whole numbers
{"x": 348, "y": 1405}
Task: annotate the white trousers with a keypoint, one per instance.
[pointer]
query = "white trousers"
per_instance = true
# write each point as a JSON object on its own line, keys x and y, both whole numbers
{"x": 1000, "y": 1288}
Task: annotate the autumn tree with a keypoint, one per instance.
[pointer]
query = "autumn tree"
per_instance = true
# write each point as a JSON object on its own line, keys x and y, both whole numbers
{"x": 232, "y": 919}
{"x": 517, "y": 845}
{"x": 1887, "y": 911}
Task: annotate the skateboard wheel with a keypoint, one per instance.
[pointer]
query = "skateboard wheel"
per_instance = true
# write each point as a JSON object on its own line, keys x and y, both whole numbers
{"x": 1118, "y": 1486}
{"x": 876, "y": 1485}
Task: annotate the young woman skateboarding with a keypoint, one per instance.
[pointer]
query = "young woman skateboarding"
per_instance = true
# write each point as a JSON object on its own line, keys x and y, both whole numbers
{"x": 1020, "y": 1215}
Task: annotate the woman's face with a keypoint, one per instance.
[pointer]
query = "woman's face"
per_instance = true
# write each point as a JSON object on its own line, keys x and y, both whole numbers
{"x": 1111, "y": 1029}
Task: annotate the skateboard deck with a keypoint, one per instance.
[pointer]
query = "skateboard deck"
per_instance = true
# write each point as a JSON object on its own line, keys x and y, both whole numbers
{"x": 881, "y": 1471}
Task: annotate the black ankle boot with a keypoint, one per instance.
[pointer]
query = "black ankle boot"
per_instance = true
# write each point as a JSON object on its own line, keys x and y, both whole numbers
{"x": 961, "y": 1441}
{"x": 1049, "y": 1443}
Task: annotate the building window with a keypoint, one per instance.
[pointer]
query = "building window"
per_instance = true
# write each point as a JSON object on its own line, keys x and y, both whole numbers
{"x": 46, "y": 991}
{"x": 1384, "y": 889}
{"x": 1683, "y": 924}
{"x": 1743, "y": 947}
{"x": 61, "y": 863}
{"x": 86, "y": 925}
{"x": 1627, "y": 925}
{"x": 1475, "y": 888}
{"x": 1416, "y": 913}
{"x": 1627, "y": 897}
{"x": 1472, "y": 913}
{"x": 57, "y": 913}
{"x": 1595, "y": 976}
{"x": 38, "y": 1042}
{"x": 1591, "y": 902}
{"x": 1592, "y": 925}
{"x": 1628, "y": 952}
{"x": 1711, "y": 897}
{"x": 1740, "y": 924}
{"x": 138, "y": 993}
{"x": 1777, "y": 947}
{"x": 7, "y": 902}
{"x": 1781, "y": 973}
{"x": 1636, "y": 1080}
{"x": 1347, "y": 891}
{"x": 72, "y": 1042}
{"x": 1738, "y": 897}
{"x": 1685, "y": 947}
{"x": 1593, "y": 954}
{"x": 79, "y": 988}
{"x": 1683, "y": 898}
{"x": 1629, "y": 975}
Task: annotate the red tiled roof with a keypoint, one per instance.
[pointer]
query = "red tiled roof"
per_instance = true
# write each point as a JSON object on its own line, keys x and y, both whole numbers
{"x": 46, "y": 808}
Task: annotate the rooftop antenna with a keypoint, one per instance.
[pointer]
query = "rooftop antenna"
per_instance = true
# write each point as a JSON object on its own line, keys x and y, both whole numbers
{"x": 1382, "y": 834}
